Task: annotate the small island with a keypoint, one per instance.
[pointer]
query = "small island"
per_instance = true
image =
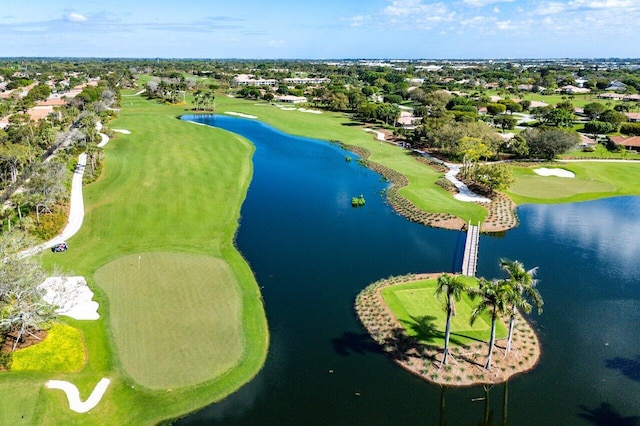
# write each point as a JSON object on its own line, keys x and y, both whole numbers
{"x": 406, "y": 318}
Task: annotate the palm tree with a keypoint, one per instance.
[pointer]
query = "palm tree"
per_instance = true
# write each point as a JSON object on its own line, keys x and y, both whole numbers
{"x": 453, "y": 287}
{"x": 524, "y": 286}
{"x": 494, "y": 295}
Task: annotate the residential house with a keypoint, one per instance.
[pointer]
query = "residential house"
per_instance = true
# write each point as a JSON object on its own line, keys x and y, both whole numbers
{"x": 630, "y": 143}
{"x": 573, "y": 90}
{"x": 633, "y": 117}
{"x": 617, "y": 86}
{"x": 290, "y": 99}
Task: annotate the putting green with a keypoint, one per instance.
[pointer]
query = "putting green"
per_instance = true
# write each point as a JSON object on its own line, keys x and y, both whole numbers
{"x": 552, "y": 187}
{"x": 175, "y": 317}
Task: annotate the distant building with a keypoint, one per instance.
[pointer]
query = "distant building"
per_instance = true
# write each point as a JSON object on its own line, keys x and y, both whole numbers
{"x": 307, "y": 80}
{"x": 248, "y": 80}
{"x": 633, "y": 117}
{"x": 630, "y": 143}
{"x": 291, "y": 99}
{"x": 617, "y": 86}
{"x": 573, "y": 90}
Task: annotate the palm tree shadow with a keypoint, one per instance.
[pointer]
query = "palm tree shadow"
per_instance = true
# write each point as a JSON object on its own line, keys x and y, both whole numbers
{"x": 628, "y": 367}
{"x": 424, "y": 328}
{"x": 606, "y": 415}
{"x": 355, "y": 343}
{"x": 426, "y": 331}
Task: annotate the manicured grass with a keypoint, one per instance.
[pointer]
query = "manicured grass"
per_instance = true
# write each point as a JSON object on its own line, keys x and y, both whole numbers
{"x": 601, "y": 152}
{"x": 593, "y": 180}
{"x": 422, "y": 314}
{"x": 184, "y": 310}
{"x": 61, "y": 350}
{"x": 170, "y": 187}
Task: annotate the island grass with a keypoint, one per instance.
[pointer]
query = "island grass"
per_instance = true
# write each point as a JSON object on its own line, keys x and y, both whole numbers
{"x": 422, "y": 315}
{"x": 170, "y": 186}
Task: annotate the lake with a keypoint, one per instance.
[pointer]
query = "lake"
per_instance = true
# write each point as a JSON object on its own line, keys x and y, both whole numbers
{"x": 312, "y": 252}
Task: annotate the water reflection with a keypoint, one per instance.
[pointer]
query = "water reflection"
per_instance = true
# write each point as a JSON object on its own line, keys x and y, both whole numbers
{"x": 611, "y": 228}
{"x": 312, "y": 253}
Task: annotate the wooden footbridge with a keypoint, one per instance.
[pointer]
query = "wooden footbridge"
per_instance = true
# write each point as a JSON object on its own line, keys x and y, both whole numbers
{"x": 470, "y": 256}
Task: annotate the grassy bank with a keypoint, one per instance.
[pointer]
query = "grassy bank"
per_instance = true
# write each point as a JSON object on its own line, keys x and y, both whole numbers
{"x": 171, "y": 193}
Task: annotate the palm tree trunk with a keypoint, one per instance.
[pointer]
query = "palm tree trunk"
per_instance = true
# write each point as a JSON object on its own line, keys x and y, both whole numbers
{"x": 512, "y": 321}
{"x": 447, "y": 332}
{"x": 492, "y": 339}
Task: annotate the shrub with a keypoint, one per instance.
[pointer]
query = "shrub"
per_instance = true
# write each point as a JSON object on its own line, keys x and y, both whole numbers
{"x": 61, "y": 350}
{"x": 630, "y": 129}
{"x": 357, "y": 201}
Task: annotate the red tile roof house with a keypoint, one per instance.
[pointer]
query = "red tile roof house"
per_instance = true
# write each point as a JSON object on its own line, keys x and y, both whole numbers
{"x": 633, "y": 116}
{"x": 631, "y": 143}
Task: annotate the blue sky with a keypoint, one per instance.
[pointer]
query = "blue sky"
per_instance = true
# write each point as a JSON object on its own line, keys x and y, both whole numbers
{"x": 321, "y": 29}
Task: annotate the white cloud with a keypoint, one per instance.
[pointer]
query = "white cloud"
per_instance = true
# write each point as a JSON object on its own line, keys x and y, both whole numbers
{"x": 358, "y": 21}
{"x": 505, "y": 25}
{"x": 415, "y": 14}
{"x": 76, "y": 17}
{"x": 275, "y": 43}
{"x": 481, "y": 3}
{"x": 604, "y": 4}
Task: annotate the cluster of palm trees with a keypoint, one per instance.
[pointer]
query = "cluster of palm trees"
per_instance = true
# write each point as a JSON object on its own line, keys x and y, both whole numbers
{"x": 499, "y": 296}
{"x": 204, "y": 100}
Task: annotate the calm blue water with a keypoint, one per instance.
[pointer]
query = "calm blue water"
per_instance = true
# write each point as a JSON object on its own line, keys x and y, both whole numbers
{"x": 312, "y": 253}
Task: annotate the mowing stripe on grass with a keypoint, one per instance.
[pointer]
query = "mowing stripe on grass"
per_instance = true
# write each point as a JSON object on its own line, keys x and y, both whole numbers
{"x": 174, "y": 317}
{"x": 421, "y": 313}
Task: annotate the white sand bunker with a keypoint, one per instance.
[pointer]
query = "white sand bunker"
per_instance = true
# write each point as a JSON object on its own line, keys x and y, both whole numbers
{"x": 123, "y": 131}
{"x": 73, "y": 297}
{"x": 312, "y": 111}
{"x": 73, "y": 395}
{"x": 288, "y": 108}
{"x": 239, "y": 114}
{"x": 544, "y": 171}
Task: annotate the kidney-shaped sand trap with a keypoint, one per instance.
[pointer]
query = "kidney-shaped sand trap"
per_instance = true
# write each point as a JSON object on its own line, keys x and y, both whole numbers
{"x": 544, "y": 171}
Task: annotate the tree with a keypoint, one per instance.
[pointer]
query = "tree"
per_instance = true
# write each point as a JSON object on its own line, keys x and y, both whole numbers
{"x": 594, "y": 109}
{"x": 596, "y": 127}
{"x": 493, "y": 176}
{"x": 613, "y": 117}
{"x": 493, "y": 297}
{"x": 454, "y": 287}
{"x": 517, "y": 145}
{"x": 559, "y": 117}
{"x": 524, "y": 291}
{"x": 546, "y": 142}
{"x": 505, "y": 122}
{"x": 495, "y": 109}
{"x": 388, "y": 112}
{"x": 22, "y": 310}
{"x": 472, "y": 149}
{"x": 46, "y": 186}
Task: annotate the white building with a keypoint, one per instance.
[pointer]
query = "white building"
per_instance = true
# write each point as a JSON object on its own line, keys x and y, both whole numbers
{"x": 248, "y": 80}
{"x": 307, "y": 80}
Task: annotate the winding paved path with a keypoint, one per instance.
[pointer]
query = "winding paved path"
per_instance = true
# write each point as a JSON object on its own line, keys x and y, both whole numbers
{"x": 76, "y": 204}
